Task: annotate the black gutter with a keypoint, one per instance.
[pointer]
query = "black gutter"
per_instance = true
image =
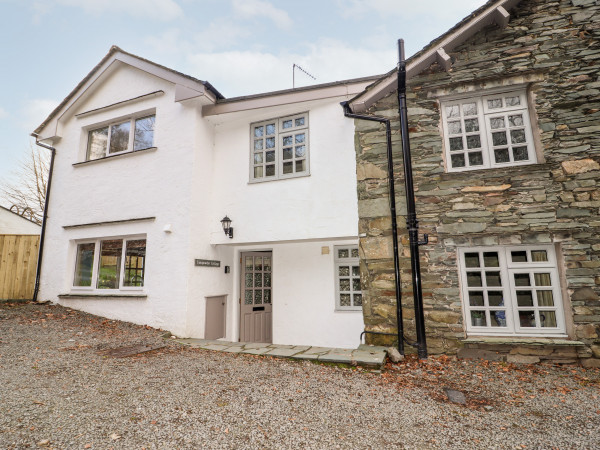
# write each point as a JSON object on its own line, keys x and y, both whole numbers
{"x": 38, "y": 271}
{"x": 392, "y": 195}
{"x": 412, "y": 223}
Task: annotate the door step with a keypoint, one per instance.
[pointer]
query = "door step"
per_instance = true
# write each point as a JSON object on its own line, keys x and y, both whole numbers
{"x": 365, "y": 356}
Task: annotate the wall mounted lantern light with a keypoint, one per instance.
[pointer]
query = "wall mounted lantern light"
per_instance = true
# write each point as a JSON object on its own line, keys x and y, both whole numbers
{"x": 227, "y": 228}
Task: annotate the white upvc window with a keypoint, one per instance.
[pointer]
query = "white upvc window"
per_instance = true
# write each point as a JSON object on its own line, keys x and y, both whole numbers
{"x": 511, "y": 291}
{"x": 347, "y": 278}
{"x": 110, "y": 264}
{"x": 116, "y": 138}
{"x": 487, "y": 131}
{"x": 279, "y": 148}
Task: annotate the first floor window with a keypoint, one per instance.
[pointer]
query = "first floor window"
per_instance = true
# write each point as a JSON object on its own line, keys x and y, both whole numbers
{"x": 279, "y": 148}
{"x": 110, "y": 263}
{"x": 118, "y": 138}
{"x": 347, "y": 271}
{"x": 511, "y": 290}
{"x": 487, "y": 131}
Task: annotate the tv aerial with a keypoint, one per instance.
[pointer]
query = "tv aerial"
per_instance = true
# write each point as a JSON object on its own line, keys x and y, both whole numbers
{"x": 296, "y": 66}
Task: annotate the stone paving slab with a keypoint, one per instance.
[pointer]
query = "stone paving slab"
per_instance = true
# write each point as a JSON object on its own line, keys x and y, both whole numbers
{"x": 255, "y": 345}
{"x": 336, "y": 358}
{"x": 255, "y": 351}
{"x": 365, "y": 355}
{"x": 214, "y": 347}
{"x": 317, "y": 350}
{"x": 304, "y": 356}
{"x": 371, "y": 360}
{"x": 301, "y": 348}
{"x": 233, "y": 349}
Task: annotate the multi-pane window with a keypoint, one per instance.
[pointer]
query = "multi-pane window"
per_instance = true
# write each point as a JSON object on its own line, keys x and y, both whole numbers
{"x": 487, "y": 131}
{"x": 110, "y": 264}
{"x": 257, "y": 280}
{"x": 511, "y": 290}
{"x": 347, "y": 275}
{"x": 279, "y": 148}
{"x": 118, "y": 138}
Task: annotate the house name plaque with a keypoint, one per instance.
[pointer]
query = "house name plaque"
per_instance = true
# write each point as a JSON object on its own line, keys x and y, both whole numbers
{"x": 207, "y": 263}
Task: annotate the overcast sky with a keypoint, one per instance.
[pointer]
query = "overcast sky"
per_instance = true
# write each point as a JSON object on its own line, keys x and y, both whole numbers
{"x": 240, "y": 46}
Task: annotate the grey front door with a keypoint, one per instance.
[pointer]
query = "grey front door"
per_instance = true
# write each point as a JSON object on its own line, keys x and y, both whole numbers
{"x": 256, "y": 303}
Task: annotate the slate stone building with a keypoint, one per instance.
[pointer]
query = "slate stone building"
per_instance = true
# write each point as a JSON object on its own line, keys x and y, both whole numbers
{"x": 504, "y": 117}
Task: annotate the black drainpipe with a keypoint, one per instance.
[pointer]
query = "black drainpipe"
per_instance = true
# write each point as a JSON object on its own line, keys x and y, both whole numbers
{"x": 38, "y": 271}
{"x": 388, "y": 132}
{"x": 412, "y": 223}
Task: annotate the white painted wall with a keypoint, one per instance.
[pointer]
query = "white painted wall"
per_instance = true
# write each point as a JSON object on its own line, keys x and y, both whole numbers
{"x": 204, "y": 281}
{"x": 322, "y": 205}
{"x": 298, "y": 211}
{"x": 155, "y": 183}
{"x": 12, "y": 223}
{"x": 198, "y": 173}
{"x": 303, "y": 296}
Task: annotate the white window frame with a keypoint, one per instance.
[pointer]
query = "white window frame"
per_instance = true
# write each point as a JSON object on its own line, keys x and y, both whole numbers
{"x": 280, "y": 134}
{"x": 96, "y": 261}
{"x": 484, "y": 116}
{"x": 507, "y": 270}
{"x": 130, "y": 143}
{"x": 351, "y": 262}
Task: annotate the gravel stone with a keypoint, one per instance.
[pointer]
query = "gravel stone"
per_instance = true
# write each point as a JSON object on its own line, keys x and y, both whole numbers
{"x": 59, "y": 389}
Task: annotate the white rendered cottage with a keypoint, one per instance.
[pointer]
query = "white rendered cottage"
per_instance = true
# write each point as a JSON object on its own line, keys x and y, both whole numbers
{"x": 148, "y": 162}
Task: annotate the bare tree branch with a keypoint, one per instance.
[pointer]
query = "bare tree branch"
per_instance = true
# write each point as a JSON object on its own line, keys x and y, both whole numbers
{"x": 26, "y": 193}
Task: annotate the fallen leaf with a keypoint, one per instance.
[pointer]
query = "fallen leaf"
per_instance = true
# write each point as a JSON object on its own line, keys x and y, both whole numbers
{"x": 115, "y": 436}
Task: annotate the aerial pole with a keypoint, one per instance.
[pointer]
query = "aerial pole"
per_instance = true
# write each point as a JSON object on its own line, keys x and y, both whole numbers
{"x": 412, "y": 224}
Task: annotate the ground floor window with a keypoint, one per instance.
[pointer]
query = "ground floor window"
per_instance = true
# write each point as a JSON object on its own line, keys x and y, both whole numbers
{"x": 115, "y": 263}
{"x": 511, "y": 290}
{"x": 347, "y": 274}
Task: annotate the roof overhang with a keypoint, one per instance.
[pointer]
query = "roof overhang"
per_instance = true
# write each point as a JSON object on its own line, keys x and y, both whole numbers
{"x": 494, "y": 12}
{"x": 186, "y": 87}
{"x": 346, "y": 88}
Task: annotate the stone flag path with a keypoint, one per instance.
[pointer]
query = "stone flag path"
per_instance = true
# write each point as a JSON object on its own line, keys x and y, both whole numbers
{"x": 364, "y": 355}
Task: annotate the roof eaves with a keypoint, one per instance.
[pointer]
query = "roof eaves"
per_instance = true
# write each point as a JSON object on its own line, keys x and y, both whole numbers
{"x": 418, "y": 62}
{"x": 299, "y": 89}
{"x": 71, "y": 94}
{"x": 115, "y": 49}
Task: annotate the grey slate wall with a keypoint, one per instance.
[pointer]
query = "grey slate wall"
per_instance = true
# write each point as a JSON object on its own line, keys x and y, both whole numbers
{"x": 554, "y": 47}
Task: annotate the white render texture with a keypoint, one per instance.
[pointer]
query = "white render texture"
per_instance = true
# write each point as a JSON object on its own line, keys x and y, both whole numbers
{"x": 198, "y": 173}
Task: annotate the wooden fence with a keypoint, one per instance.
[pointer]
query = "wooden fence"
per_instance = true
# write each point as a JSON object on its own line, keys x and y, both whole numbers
{"x": 18, "y": 260}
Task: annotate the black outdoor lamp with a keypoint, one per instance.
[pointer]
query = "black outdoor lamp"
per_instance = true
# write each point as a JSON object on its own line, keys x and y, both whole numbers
{"x": 227, "y": 228}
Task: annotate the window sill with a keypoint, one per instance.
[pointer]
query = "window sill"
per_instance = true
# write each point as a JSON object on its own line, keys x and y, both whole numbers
{"x": 278, "y": 179}
{"x": 100, "y": 296}
{"x": 119, "y": 155}
{"x": 533, "y": 341}
{"x": 357, "y": 310}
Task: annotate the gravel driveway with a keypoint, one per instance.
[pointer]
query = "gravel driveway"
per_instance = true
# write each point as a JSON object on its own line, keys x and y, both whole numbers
{"x": 58, "y": 389}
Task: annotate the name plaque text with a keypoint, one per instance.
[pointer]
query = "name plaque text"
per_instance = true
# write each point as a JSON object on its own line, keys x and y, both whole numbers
{"x": 207, "y": 263}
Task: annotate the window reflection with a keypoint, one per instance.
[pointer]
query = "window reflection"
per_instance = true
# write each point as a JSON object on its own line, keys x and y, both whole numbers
{"x": 135, "y": 263}
{"x": 109, "y": 264}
